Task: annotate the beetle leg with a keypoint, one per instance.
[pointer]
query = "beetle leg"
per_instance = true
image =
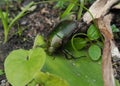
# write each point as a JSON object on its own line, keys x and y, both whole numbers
{"x": 67, "y": 54}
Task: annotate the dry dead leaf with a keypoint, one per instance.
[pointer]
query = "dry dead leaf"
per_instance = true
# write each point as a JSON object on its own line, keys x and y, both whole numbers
{"x": 99, "y": 8}
{"x": 107, "y": 71}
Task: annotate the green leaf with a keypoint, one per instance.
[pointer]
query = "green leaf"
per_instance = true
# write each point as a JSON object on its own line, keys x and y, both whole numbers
{"x": 93, "y": 33}
{"x": 60, "y": 4}
{"x": 21, "y": 14}
{"x": 4, "y": 20}
{"x": 32, "y": 83}
{"x": 100, "y": 44}
{"x": 114, "y": 28}
{"x": 117, "y": 82}
{"x": 79, "y": 43}
{"x": 21, "y": 65}
{"x": 82, "y": 2}
{"x": 69, "y": 51}
{"x": 4, "y": 14}
{"x": 69, "y": 8}
{"x": 39, "y": 41}
{"x": 94, "y": 52}
{"x": 48, "y": 79}
{"x": 80, "y": 72}
{"x": 1, "y": 72}
{"x": 78, "y": 54}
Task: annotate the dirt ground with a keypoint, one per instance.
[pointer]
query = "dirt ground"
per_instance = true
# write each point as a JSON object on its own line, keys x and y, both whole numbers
{"x": 40, "y": 21}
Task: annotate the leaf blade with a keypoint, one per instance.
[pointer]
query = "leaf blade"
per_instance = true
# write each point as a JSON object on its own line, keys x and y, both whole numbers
{"x": 94, "y": 52}
{"x": 21, "y": 65}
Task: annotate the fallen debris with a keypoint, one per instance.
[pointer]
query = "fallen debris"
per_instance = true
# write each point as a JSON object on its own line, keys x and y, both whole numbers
{"x": 100, "y": 11}
{"x": 104, "y": 26}
{"x": 99, "y": 8}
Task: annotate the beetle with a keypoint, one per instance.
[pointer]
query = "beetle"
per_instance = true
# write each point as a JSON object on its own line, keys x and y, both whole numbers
{"x": 61, "y": 33}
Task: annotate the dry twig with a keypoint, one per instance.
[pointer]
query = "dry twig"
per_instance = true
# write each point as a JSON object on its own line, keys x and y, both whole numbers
{"x": 99, "y": 8}
{"x": 104, "y": 26}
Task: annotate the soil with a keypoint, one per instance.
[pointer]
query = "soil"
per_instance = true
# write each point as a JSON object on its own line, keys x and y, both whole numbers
{"x": 40, "y": 21}
{"x": 116, "y": 64}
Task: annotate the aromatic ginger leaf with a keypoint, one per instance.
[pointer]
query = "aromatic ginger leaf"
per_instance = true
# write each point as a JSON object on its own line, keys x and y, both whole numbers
{"x": 47, "y": 79}
{"x": 79, "y": 43}
{"x": 80, "y": 72}
{"x": 94, "y": 52}
{"x": 93, "y": 33}
{"x": 21, "y": 65}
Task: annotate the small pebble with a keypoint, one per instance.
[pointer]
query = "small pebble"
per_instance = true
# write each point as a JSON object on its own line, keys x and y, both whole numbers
{"x": 4, "y": 83}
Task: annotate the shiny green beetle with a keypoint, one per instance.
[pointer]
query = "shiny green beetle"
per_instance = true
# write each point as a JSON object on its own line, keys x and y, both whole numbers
{"x": 60, "y": 35}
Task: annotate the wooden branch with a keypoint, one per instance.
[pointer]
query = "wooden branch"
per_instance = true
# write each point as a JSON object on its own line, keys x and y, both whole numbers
{"x": 99, "y": 8}
{"x": 107, "y": 71}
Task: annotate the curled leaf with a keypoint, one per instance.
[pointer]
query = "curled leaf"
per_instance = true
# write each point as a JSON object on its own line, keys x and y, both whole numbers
{"x": 93, "y": 33}
{"x": 79, "y": 43}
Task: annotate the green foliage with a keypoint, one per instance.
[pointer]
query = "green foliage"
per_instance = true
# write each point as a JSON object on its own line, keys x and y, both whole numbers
{"x": 82, "y": 2}
{"x": 74, "y": 52}
{"x": 1, "y": 72}
{"x": 69, "y": 8}
{"x": 5, "y": 19}
{"x": 79, "y": 43}
{"x": 115, "y": 29}
{"x": 27, "y": 67}
{"x": 32, "y": 67}
{"x": 24, "y": 67}
{"x": 39, "y": 42}
{"x": 21, "y": 65}
{"x": 80, "y": 72}
{"x": 117, "y": 83}
{"x": 19, "y": 32}
{"x": 89, "y": 42}
{"x": 93, "y": 33}
{"x": 47, "y": 79}
{"x": 94, "y": 52}
{"x": 71, "y": 4}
